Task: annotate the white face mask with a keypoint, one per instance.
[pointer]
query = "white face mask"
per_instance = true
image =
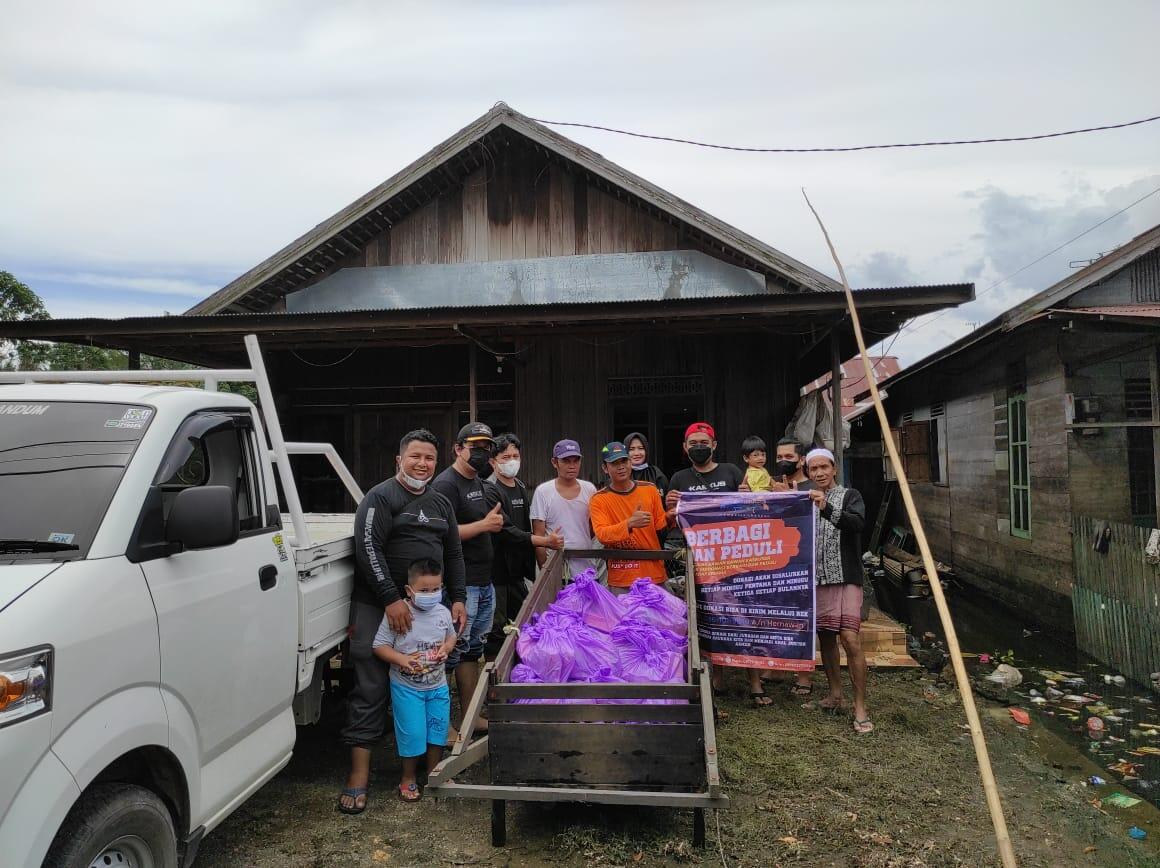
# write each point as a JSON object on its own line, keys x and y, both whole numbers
{"x": 509, "y": 468}
{"x": 411, "y": 482}
{"x": 426, "y": 600}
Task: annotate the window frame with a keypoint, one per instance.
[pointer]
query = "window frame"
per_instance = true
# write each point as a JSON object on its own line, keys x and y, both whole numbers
{"x": 1018, "y": 459}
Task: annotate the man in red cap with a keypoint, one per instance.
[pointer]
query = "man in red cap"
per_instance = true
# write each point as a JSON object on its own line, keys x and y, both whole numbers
{"x": 707, "y": 475}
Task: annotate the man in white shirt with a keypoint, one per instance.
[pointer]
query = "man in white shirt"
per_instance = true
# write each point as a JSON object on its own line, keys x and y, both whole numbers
{"x": 561, "y": 505}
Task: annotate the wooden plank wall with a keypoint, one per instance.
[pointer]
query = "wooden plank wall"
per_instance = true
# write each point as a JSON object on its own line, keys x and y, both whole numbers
{"x": 968, "y": 519}
{"x": 562, "y": 388}
{"x": 1117, "y": 598}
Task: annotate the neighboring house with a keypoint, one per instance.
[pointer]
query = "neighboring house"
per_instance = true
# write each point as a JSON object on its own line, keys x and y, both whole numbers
{"x": 515, "y": 276}
{"x": 855, "y": 388}
{"x": 1040, "y": 425}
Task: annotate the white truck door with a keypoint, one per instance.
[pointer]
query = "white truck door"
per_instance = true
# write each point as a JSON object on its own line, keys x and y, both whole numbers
{"x": 227, "y": 618}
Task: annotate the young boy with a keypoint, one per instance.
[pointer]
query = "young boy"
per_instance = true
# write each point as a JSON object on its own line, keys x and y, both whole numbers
{"x": 420, "y": 700}
{"x": 753, "y": 451}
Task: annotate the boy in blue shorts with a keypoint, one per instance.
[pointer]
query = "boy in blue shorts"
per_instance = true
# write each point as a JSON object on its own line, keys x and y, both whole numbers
{"x": 420, "y": 701}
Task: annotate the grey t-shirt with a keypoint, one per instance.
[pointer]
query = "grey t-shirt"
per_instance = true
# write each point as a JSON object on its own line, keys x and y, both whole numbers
{"x": 429, "y": 630}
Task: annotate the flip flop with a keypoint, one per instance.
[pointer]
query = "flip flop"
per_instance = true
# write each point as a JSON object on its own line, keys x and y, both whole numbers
{"x": 410, "y": 793}
{"x": 354, "y": 793}
{"x": 862, "y": 727}
{"x": 760, "y": 699}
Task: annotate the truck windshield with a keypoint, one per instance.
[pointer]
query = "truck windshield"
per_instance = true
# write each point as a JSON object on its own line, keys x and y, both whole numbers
{"x": 60, "y": 463}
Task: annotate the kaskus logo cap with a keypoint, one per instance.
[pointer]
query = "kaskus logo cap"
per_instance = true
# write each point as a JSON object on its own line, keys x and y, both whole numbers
{"x": 473, "y": 431}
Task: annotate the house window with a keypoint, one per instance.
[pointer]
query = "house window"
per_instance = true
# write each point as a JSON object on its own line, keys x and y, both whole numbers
{"x": 1141, "y": 469}
{"x": 938, "y": 443}
{"x": 1020, "y": 475}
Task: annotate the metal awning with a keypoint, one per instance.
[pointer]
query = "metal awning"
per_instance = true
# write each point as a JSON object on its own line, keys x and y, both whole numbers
{"x": 802, "y": 319}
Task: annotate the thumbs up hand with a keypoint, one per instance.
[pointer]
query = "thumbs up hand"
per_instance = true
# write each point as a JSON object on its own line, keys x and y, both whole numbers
{"x": 493, "y": 521}
{"x": 640, "y": 517}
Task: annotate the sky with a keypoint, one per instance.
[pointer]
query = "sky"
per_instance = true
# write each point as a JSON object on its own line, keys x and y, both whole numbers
{"x": 152, "y": 152}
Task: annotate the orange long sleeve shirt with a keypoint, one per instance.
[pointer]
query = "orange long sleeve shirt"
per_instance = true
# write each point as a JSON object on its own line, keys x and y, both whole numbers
{"x": 609, "y": 511}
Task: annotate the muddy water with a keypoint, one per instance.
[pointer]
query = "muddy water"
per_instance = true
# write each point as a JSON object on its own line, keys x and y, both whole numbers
{"x": 1114, "y": 725}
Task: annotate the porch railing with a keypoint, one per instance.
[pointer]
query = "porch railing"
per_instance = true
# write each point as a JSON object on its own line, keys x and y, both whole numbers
{"x": 1116, "y": 599}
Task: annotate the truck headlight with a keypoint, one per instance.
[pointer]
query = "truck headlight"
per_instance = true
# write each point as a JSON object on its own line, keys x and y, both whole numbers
{"x": 25, "y": 685}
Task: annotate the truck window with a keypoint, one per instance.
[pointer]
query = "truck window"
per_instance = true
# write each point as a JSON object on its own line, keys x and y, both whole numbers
{"x": 60, "y": 464}
{"x": 217, "y": 448}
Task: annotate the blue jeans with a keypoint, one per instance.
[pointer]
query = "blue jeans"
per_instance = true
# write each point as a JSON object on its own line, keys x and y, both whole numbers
{"x": 480, "y": 612}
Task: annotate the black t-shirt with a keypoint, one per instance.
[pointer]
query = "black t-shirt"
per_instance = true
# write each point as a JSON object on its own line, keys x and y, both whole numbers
{"x": 652, "y": 473}
{"x": 394, "y": 527}
{"x": 469, "y": 503}
{"x": 723, "y": 477}
{"x": 515, "y": 559}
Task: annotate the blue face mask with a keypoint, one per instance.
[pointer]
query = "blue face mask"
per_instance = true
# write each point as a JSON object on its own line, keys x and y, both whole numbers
{"x": 427, "y": 599}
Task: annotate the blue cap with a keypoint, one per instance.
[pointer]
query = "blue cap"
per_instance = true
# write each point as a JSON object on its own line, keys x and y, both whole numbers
{"x": 613, "y": 451}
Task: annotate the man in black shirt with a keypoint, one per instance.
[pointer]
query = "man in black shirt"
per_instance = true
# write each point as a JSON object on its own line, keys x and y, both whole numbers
{"x": 462, "y": 485}
{"x": 707, "y": 475}
{"x": 400, "y": 520}
{"x": 515, "y": 554}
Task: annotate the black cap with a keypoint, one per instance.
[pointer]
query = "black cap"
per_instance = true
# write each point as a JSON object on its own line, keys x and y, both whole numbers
{"x": 475, "y": 431}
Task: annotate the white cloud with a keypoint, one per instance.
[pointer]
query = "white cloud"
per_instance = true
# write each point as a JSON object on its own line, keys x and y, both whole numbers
{"x": 130, "y": 283}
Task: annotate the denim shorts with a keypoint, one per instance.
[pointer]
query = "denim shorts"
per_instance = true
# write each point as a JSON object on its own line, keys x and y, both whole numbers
{"x": 480, "y": 612}
{"x": 421, "y": 717}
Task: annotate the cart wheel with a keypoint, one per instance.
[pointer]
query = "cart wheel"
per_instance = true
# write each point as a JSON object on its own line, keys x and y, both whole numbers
{"x": 499, "y": 823}
{"x": 698, "y": 827}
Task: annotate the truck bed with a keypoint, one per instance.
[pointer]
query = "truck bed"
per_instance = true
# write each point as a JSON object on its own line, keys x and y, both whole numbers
{"x": 325, "y": 569}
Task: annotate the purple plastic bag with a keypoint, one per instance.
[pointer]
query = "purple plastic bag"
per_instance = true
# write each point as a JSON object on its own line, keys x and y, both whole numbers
{"x": 598, "y": 606}
{"x": 546, "y": 645}
{"x": 644, "y": 655}
{"x": 654, "y": 605}
{"x": 560, "y": 647}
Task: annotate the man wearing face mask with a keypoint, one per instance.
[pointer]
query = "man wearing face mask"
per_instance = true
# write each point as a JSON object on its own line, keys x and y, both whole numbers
{"x": 515, "y": 555}
{"x": 789, "y": 473}
{"x": 462, "y": 485}
{"x": 398, "y": 522}
{"x": 705, "y": 475}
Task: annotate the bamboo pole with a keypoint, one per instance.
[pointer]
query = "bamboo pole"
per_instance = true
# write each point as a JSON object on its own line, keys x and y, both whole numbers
{"x": 994, "y": 804}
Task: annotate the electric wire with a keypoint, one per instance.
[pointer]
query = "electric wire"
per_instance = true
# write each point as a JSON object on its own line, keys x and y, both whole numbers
{"x": 849, "y": 148}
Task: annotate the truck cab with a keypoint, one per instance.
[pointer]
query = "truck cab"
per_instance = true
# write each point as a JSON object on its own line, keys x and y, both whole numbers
{"x": 156, "y": 620}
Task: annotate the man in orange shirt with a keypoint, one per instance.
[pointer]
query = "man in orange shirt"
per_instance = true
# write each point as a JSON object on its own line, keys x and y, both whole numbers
{"x": 627, "y": 514}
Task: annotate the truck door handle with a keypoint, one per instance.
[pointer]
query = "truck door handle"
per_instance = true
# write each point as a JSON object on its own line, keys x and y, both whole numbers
{"x": 267, "y": 577}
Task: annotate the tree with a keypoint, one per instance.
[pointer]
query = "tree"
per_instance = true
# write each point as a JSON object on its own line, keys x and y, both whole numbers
{"x": 18, "y": 303}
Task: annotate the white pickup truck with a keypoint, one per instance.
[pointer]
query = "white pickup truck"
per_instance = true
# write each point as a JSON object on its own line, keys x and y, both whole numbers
{"x": 161, "y": 631}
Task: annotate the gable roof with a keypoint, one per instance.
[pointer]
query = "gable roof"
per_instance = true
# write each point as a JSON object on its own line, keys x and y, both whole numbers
{"x": 1042, "y": 302}
{"x": 351, "y": 228}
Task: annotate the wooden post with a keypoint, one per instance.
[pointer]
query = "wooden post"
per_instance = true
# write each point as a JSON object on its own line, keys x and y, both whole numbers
{"x": 1154, "y": 376}
{"x": 836, "y": 396}
{"x": 982, "y": 757}
{"x": 472, "y": 398}
{"x": 134, "y": 360}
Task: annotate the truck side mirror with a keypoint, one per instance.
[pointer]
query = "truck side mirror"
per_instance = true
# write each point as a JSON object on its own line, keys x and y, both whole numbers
{"x": 203, "y": 517}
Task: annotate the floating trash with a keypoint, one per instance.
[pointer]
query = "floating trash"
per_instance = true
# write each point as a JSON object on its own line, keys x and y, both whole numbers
{"x": 1039, "y": 700}
{"x": 1119, "y": 800}
{"x": 1094, "y": 724}
{"x": 1096, "y": 781}
{"x": 1020, "y": 716}
{"x": 1137, "y": 834}
{"x": 1006, "y": 675}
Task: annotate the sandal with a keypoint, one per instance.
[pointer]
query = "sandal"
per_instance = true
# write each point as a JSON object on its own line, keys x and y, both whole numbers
{"x": 802, "y": 689}
{"x": 862, "y": 727}
{"x": 410, "y": 793}
{"x": 760, "y": 699}
{"x": 355, "y": 793}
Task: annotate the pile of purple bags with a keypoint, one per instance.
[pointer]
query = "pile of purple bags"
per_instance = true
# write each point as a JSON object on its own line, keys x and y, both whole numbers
{"x": 590, "y": 635}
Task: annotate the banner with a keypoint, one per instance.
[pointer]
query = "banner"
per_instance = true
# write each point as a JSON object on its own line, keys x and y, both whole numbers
{"x": 752, "y": 556}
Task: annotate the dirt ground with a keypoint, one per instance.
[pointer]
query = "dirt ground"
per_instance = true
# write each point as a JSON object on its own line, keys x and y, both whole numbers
{"x": 805, "y": 791}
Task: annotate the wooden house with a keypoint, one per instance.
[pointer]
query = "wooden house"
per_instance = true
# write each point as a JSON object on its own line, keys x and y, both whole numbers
{"x": 514, "y": 276}
{"x": 1039, "y": 429}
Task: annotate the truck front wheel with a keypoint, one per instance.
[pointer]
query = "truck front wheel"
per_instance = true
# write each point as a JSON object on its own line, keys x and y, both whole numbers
{"x": 115, "y": 826}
